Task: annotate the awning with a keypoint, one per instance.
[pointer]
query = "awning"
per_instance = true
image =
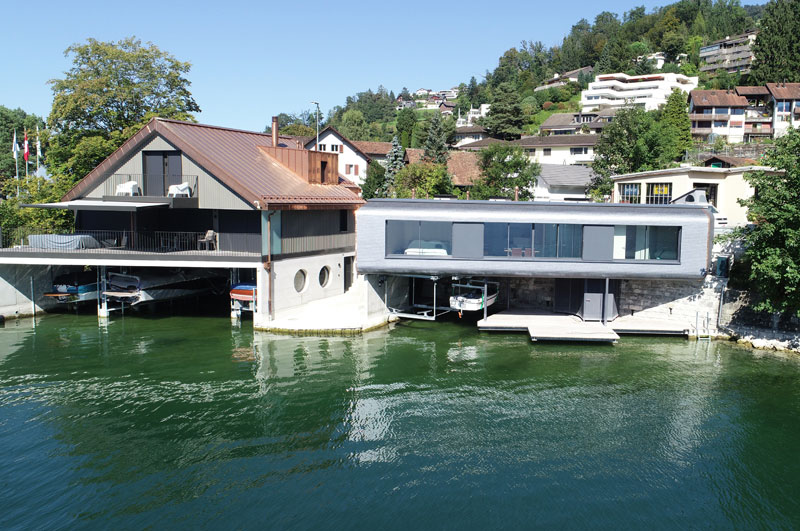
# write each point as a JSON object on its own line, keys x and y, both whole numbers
{"x": 98, "y": 204}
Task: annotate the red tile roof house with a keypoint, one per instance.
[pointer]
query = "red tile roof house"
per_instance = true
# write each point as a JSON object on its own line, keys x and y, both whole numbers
{"x": 280, "y": 214}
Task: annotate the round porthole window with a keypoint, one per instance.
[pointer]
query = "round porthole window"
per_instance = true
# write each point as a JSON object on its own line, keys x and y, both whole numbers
{"x": 324, "y": 276}
{"x": 300, "y": 280}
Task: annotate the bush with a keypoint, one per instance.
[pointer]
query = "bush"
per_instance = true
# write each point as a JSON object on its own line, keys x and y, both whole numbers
{"x": 547, "y": 105}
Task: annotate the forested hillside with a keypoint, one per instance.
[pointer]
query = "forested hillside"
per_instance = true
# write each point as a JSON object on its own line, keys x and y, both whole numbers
{"x": 611, "y": 43}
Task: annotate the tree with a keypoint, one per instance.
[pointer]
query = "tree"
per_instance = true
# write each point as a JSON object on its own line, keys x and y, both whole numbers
{"x": 771, "y": 243}
{"x": 424, "y": 179}
{"x": 777, "y": 56}
{"x": 297, "y": 130}
{"x": 375, "y": 181}
{"x": 636, "y": 140}
{"x": 505, "y": 119}
{"x": 503, "y": 168}
{"x": 406, "y": 120}
{"x": 395, "y": 160}
{"x": 676, "y": 113}
{"x": 19, "y": 121}
{"x": 436, "y": 142}
{"x": 354, "y": 126}
{"x": 111, "y": 91}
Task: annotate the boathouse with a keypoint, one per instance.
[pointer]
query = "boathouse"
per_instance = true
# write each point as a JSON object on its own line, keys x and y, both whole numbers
{"x": 180, "y": 196}
{"x": 570, "y": 258}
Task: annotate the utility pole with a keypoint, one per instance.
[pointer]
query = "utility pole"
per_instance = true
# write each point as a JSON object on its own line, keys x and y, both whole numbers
{"x": 316, "y": 146}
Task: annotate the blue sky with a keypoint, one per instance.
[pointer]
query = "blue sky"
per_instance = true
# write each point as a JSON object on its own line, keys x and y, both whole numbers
{"x": 253, "y": 60}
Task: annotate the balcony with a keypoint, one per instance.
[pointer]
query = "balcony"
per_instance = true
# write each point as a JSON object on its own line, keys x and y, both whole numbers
{"x": 152, "y": 185}
{"x": 134, "y": 245}
{"x": 758, "y": 131}
{"x": 709, "y": 117}
{"x": 701, "y": 130}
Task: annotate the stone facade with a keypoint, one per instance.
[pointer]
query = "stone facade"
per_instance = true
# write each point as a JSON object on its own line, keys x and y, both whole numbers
{"x": 685, "y": 301}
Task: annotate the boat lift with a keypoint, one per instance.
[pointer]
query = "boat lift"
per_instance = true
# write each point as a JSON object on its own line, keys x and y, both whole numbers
{"x": 427, "y": 312}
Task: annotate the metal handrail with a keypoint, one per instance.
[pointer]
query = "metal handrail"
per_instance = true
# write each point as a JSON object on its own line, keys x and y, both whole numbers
{"x": 28, "y": 239}
{"x": 112, "y": 181}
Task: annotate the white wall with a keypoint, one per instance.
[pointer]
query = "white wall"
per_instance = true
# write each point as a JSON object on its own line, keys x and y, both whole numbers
{"x": 560, "y": 155}
{"x": 284, "y": 293}
{"x": 347, "y": 156}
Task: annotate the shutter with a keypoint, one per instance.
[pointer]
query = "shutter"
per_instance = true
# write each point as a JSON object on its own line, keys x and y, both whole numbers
{"x": 356, "y": 172}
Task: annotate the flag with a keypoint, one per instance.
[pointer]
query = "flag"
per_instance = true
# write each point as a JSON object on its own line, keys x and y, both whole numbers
{"x": 14, "y": 146}
{"x": 38, "y": 144}
{"x": 25, "y": 152}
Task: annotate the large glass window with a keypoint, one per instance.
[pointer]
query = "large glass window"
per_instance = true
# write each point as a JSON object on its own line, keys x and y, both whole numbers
{"x": 650, "y": 243}
{"x": 553, "y": 240}
{"x": 784, "y": 106}
{"x": 520, "y": 238}
{"x": 495, "y": 239}
{"x": 659, "y": 193}
{"x": 419, "y": 238}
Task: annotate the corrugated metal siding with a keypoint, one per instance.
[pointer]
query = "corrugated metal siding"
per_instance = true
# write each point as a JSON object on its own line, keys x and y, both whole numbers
{"x": 314, "y": 231}
{"x": 133, "y": 165}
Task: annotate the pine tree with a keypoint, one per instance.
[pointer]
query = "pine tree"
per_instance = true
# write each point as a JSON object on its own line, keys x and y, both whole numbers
{"x": 394, "y": 163}
{"x": 505, "y": 119}
{"x": 436, "y": 143}
{"x": 676, "y": 114}
{"x": 777, "y": 56}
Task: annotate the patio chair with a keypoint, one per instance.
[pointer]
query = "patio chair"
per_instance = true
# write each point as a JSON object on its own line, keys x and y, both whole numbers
{"x": 208, "y": 240}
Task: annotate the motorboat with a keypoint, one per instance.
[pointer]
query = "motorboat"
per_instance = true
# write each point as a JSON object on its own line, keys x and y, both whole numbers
{"x": 243, "y": 296}
{"x": 470, "y": 298}
{"x": 140, "y": 288}
{"x": 74, "y": 287}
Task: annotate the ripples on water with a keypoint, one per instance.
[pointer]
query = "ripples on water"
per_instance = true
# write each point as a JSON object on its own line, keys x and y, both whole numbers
{"x": 186, "y": 422}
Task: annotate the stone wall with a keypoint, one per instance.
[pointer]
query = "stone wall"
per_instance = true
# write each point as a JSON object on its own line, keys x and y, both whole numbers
{"x": 682, "y": 301}
{"x": 534, "y": 293}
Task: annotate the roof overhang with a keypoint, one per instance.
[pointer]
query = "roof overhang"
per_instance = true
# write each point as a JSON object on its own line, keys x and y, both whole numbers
{"x": 97, "y": 204}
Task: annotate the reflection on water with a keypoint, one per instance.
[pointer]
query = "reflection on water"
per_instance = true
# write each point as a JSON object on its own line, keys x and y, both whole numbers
{"x": 191, "y": 422}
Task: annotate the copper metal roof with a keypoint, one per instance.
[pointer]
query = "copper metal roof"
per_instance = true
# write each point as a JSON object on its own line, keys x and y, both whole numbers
{"x": 234, "y": 158}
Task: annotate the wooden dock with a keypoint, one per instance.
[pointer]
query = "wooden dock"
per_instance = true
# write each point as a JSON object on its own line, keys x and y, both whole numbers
{"x": 545, "y": 326}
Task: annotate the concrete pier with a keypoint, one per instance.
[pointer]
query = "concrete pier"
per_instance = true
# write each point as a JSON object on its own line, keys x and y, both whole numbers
{"x": 545, "y": 326}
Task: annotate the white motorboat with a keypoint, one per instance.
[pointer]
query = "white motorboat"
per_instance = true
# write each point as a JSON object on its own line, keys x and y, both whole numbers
{"x": 471, "y": 299}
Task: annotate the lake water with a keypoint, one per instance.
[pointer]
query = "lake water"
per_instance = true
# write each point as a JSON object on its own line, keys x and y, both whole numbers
{"x": 186, "y": 422}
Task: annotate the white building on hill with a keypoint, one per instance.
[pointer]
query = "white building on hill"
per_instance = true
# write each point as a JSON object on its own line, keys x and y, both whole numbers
{"x": 621, "y": 90}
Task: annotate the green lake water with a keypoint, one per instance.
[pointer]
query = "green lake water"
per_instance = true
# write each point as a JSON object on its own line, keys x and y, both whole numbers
{"x": 187, "y": 422}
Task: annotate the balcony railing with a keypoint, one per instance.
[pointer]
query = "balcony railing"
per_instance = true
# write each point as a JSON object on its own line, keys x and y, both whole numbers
{"x": 27, "y": 240}
{"x": 113, "y": 181}
{"x": 701, "y": 130}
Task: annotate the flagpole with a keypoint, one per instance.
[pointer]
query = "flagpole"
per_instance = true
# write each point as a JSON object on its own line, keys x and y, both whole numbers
{"x": 16, "y": 160}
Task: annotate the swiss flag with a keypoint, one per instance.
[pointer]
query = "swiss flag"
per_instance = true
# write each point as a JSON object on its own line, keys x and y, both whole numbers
{"x": 25, "y": 151}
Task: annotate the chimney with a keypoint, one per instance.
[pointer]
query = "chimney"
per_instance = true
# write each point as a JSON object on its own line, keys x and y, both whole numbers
{"x": 516, "y": 193}
{"x": 274, "y": 131}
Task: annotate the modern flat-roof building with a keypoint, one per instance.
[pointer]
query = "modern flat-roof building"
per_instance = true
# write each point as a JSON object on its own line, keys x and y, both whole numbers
{"x": 732, "y": 54}
{"x": 621, "y": 90}
{"x": 723, "y": 187}
{"x": 576, "y": 253}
